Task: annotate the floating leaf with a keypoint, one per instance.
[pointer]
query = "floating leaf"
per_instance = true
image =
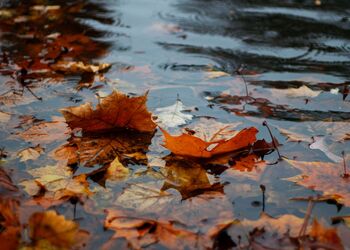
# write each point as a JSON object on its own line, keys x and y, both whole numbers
{"x": 31, "y": 153}
{"x": 114, "y": 111}
{"x": 173, "y": 116}
{"x": 192, "y": 146}
{"x": 323, "y": 176}
{"x": 48, "y": 230}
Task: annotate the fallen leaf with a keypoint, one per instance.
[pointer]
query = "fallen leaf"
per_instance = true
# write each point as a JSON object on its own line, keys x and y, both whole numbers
{"x": 114, "y": 111}
{"x": 248, "y": 163}
{"x": 322, "y": 176}
{"x": 189, "y": 178}
{"x": 31, "y": 153}
{"x": 102, "y": 149}
{"x": 172, "y": 115}
{"x": 10, "y": 233}
{"x": 57, "y": 181}
{"x": 45, "y": 132}
{"x": 319, "y": 143}
{"x": 4, "y": 117}
{"x": 325, "y": 236}
{"x": 80, "y": 67}
{"x": 116, "y": 170}
{"x": 6, "y": 181}
{"x": 295, "y": 137}
{"x": 141, "y": 232}
{"x": 302, "y": 91}
{"x": 192, "y": 146}
{"x": 48, "y": 230}
{"x": 215, "y": 74}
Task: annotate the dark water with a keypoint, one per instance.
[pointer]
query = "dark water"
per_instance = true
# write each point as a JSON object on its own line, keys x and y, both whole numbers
{"x": 170, "y": 48}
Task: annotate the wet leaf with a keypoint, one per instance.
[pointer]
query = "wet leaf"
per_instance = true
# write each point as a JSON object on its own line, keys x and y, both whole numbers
{"x": 302, "y": 91}
{"x": 57, "y": 182}
{"x": 326, "y": 236}
{"x": 31, "y": 153}
{"x": 102, "y": 149}
{"x": 45, "y": 132}
{"x": 10, "y": 233}
{"x": 192, "y": 146}
{"x": 6, "y": 181}
{"x": 114, "y": 111}
{"x": 172, "y": 116}
{"x": 4, "y": 117}
{"x": 48, "y": 230}
{"x": 189, "y": 178}
{"x": 323, "y": 176}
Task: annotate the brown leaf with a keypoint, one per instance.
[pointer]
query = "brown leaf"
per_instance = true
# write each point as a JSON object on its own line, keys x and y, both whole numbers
{"x": 115, "y": 111}
{"x": 50, "y": 229}
{"x": 248, "y": 163}
{"x": 10, "y": 233}
{"x": 141, "y": 232}
{"x": 102, "y": 149}
{"x": 326, "y": 236}
{"x": 31, "y": 153}
{"x": 192, "y": 146}
{"x": 45, "y": 132}
{"x": 6, "y": 182}
{"x": 189, "y": 178}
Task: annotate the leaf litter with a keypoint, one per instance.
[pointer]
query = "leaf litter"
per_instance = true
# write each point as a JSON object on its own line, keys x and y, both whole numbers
{"x": 103, "y": 158}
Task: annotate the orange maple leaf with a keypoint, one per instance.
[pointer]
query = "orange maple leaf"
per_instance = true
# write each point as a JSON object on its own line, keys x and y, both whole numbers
{"x": 192, "y": 146}
{"x": 115, "y": 111}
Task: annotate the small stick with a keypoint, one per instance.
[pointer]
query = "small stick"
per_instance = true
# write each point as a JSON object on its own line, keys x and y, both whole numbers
{"x": 345, "y": 175}
{"x": 263, "y": 189}
{"x": 238, "y": 71}
{"x": 310, "y": 206}
{"x": 273, "y": 140}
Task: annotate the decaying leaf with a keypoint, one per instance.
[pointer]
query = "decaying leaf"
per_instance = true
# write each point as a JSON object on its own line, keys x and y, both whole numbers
{"x": 10, "y": 233}
{"x": 4, "y": 117}
{"x": 80, "y": 67}
{"x": 192, "y": 146}
{"x": 323, "y": 176}
{"x": 6, "y": 182}
{"x": 141, "y": 232}
{"x": 48, "y": 230}
{"x": 302, "y": 91}
{"x": 57, "y": 182}
{"x": 248, "y": 163}
{"x": 325, "y": 236}
{"x": 114, "y": 111}
{"x": 102, "y": 149}
{"x": 45, "y": 132}
{"x": 189, "y": 178}
{"x": 215, "y": 74}
{"x": 173, "y": 116}
{"x": 31, "y": 153}
{"x": 319, "y": 143}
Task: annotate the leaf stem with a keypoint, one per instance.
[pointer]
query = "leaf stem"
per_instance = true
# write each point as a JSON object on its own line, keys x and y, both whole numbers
{"x": 273, "y": 139}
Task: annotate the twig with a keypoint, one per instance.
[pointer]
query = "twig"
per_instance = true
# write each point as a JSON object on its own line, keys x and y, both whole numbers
{"x": 273, "y": 139}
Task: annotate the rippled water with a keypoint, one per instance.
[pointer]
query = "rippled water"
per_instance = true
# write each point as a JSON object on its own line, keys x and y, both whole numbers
{"x": 170, "y": 48}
